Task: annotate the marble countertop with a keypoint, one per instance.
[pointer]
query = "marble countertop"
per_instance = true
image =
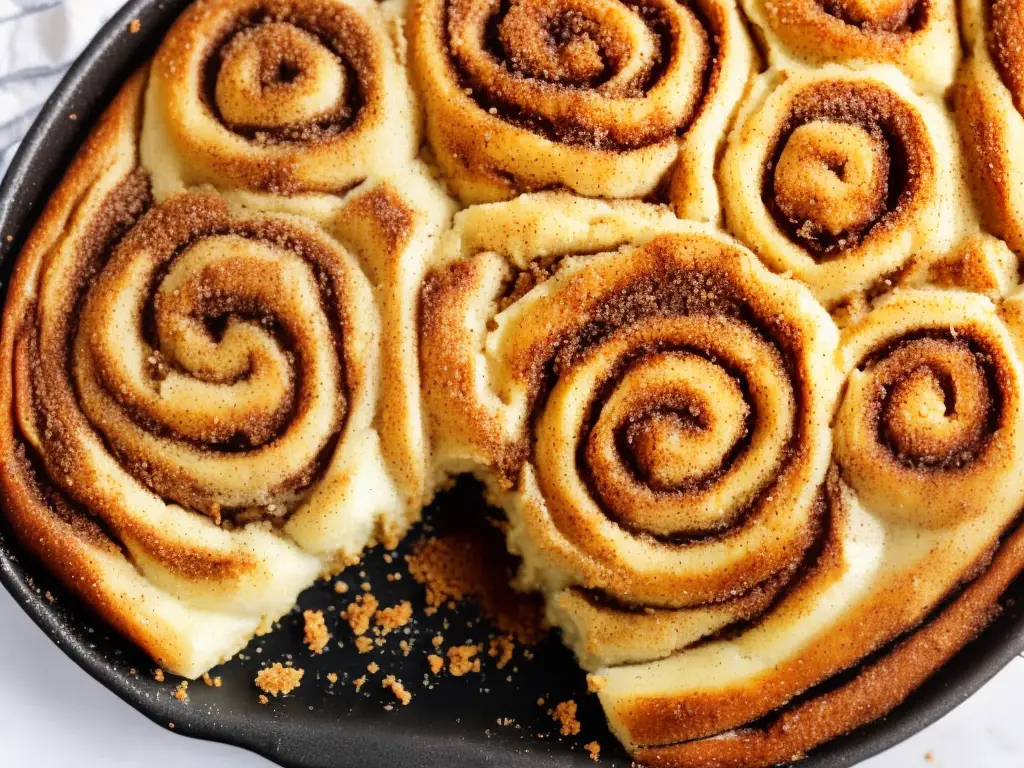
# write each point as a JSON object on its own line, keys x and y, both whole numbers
{"x": 52, "y": 714}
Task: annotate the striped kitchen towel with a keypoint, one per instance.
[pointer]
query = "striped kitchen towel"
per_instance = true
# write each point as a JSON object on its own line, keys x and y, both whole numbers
{"x": 39, "y": 39}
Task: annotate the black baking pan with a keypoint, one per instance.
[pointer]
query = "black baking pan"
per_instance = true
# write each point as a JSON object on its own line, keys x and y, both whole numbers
{"x": 455, "y": 722}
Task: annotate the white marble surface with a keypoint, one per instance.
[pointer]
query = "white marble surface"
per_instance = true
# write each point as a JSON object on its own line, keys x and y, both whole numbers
{"x": 53, "y": 715}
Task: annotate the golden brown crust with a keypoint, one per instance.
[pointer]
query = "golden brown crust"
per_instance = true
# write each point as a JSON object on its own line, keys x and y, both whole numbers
{"x": 568, "y": 94}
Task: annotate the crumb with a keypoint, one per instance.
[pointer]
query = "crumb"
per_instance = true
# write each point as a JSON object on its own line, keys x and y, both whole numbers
{"x": 436, "y": 663}
{"x": 135, "y": 26}
{"x": 476, "y": 564}
{"x": 340, "y": 587}
{"x": 501, "y": 649}
{"x": 181, "y": 692}
{"x": 565, "y": 715}
{"x": 359, "y": 613}
{"x": 279, "y": 679}
{"x": 207, "y": 680}
{"x": 263, "y": 699}
{"x": 332, "y": 677}
{"x": 171, "y": 726}
{"x": 364, "y": 644}
{"x": 10, "y": 238}
{"x": 594, "y": 749}
{"x": 461, "y": 661}
{"x": 397, "y": 689}
{"x": 388, "y": 708}
{"x": 405, "y": 646}
{"x": 373, "y": 668}
{"x": 365, "y": 586}
{"x": 158, "y": 675}
{"x": 316, "y": 634}
{"x": 390, "y": 619}
{"x": 359, "y": 682}
{"x": 49, "y": 597}
{"x": 540, "y": 702}
{"x": 72, "y": 117}
{"x": 437, "y": 641}
{"x": 595, "y": 683}
{"x": 929, "y": 757}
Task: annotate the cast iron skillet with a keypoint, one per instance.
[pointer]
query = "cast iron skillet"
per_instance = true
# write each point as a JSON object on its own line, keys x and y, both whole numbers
{"x": 321, "y": 726}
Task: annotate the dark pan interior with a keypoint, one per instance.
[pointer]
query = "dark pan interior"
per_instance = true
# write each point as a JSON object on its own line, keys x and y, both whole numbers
{"x": 455, "y": 723}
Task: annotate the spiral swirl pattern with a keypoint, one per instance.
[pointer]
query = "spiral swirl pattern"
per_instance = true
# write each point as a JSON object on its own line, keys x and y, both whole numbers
{"x": 989, "y": 103}
{"x": 663, "y": 403}
{"x": 928, "y": 444}
{"x": 840, "y": 176}
{"x": 593, "y": 97}
{"x": 277, "y": 98}
{"x": 918, "y": 36}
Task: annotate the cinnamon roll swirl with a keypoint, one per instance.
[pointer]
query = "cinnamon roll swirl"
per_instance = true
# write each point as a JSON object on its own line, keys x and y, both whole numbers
{"x": 650, "y": 404}
{"x": 200, "y": 427}
{"x": 599, "y": 98}
{"x": 928, "y": 443}
{"x": 918, "y": 36}
{"x": 277, "y": 99}
{"x": 989, "y": 103}
{"x": 840, "y": 176}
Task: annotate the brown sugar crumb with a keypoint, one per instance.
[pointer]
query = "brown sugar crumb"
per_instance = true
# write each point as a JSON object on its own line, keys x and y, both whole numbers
{"x": 437, "y": 641}
{"x": 340, "y": 587}
{"x": 461, "y": 660}
{"x": 359, "y": 613}
{"x": 565, "y": 715}
{"x": 540, "y": 702}
{"x": 263, "y": 699}
{"x": 594, "y": 749}
{"x": 436, "y": 663}
{"x": 595, "y": 683}
{"x": 501, "y": 649}
{"x": 406, "y": 647}
{"x": 332, "y": 677}
{"x": 364, "y": 644}
{"x": 181, "y": 692}
{"x": 49, "y": 596}
{"x": 279, "y": 679}
{"x": 475, "y": 563}
{"x": 158, "y": 675}
{"x": 359, "y": 682}
{"x": 373, "y": 668}
{"x": 403, "y": 696}
{"x": 390, "y": 619}
{"x": 366, "y": 586}
{"x": 135, "y": 26}
{"x": 212, "y": 682}
{"x": 316, "y": 634}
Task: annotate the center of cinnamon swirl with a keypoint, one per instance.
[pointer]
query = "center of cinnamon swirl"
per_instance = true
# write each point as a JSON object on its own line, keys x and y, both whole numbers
{"x": 878, "y": 15}
{"x": 277, "y": 75}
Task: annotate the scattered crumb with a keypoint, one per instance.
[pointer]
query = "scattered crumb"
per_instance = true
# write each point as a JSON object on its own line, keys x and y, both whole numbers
{"x": 595, "y": 683}
{"x": 406, "y": 647}
{"x": 212, "y": 682}
{"x": 437, "y": 641}
{"x": 171, "y": 726}
{"x": 397, "y": 689}
{"x": 928, "y": 756}
{"x": 332, "y": 677}
{"x": 390, "y": 619}
{"x": 365, "y": 586}
{"x": 263, "y": 699}
{"x": 461, "y": 660}
{"x": 565, "y": 715}
{"x": 73, "y": 116}
{"x": 373, "y": 668}
{"x": 359, "y": 682}
{"x": 158, "y": 675}
{"x": 501, "y": 649}
{"x": 436, "y": 663}
{"x": 340, "y": 587}
{"x": 594, "y": 749}
{"x": 359, "y": 613}
{"x": 135, "y": 26}
{"x": 475, "y": 563}
{"x": 181, "y": 692}
{"x": 279, "y": 679}
{"x": 49, "y": 597}
{"x": 364, "y": 644}
{"x": 316, "y": 634}
{"x": 540, "y": 702}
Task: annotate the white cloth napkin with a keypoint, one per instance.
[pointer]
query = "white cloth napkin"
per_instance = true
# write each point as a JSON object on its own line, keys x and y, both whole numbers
{"x": 39, "y": 39}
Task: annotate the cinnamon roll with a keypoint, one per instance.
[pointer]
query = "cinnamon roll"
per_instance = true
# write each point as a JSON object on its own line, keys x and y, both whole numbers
{"x": 989, "y": 104}
{"x": 599, "y": 98}
{"x": 840, "y": 176}
{"x": 650, "y": 405}
{"x": 928, "y": 443}
{"x": 918, "y": 36}
{"x": 277, "y": 99}
{"x": 200, "y": 427}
